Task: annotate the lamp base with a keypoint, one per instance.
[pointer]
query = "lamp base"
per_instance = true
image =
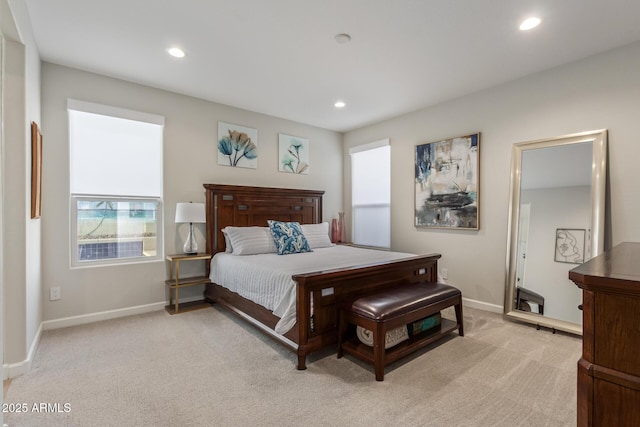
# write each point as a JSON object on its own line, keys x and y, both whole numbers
{"x": 190, "y": 246}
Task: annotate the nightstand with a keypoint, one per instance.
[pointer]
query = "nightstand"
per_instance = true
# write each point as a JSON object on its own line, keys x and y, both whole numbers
{"x": 175, "y": 283}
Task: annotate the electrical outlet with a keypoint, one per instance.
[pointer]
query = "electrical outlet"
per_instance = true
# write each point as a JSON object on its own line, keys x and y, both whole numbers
{"x": 54, "y": 293}
{"x": 445, "y": 273}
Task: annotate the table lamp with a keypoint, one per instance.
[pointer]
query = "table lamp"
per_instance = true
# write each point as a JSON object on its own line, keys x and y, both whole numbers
{"x": 191, "y": 213}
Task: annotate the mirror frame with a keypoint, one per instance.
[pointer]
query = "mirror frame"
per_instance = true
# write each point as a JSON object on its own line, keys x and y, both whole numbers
{"x": 598, "y": 196}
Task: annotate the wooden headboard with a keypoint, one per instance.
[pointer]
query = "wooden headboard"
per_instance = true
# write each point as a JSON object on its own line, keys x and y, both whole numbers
{"x": 242, "y": 206}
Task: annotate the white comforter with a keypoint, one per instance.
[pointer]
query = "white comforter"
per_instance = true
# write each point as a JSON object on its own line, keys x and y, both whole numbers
{"x": 266, "y": 279}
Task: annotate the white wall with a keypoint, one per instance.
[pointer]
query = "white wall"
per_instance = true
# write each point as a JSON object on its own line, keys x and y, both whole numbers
{"x": 21, "y": 255}
{"x": 595, "y": 93}
{"x": 2, "y": 179}
{"x": 33, "y": 226}
{"x": 190, "y": 159}
{"x": 15, "y": 212}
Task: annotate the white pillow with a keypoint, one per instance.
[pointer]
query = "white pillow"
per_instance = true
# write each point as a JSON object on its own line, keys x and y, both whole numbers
{"x": 250, "y": 240}
{"x": 317, "y": 235}
{"x": 228, "y": 248}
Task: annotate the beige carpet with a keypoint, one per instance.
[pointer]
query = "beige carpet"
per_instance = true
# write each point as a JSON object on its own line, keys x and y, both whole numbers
{"x": 207, "y": 368}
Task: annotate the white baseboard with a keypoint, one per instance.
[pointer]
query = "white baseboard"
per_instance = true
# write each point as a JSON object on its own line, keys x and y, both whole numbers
{"x": 480, "y": 305}
{"x": 12, "y": 370}
{"x": 110, "y": 314}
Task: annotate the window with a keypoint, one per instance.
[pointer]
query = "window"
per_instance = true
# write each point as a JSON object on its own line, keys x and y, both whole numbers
{"x": 371, "y": 194}
{"x": 115, "y": 184}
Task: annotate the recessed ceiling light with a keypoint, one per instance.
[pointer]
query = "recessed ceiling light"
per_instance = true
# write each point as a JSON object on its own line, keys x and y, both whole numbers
{"x": 343, "y": 38}
{"x": 339, "y": 104}
{"x": 176, "y": 52}
{"x": 530, "y": 23}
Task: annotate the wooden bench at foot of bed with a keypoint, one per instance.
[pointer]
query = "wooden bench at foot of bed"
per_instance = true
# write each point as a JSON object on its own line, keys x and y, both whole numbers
{"x": 394, "y": 308}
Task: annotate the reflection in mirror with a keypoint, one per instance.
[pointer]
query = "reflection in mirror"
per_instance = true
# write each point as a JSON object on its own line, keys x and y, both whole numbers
{"x": 556, "y": 222}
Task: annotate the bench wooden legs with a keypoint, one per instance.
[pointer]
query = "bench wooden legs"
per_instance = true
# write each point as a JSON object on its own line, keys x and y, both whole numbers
{"x": 342, "y": 330}
{"x": 459, "y": 318}
{"x": 379, "y": 341}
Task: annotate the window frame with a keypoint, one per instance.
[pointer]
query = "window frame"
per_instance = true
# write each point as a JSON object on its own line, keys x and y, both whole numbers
{"x": 74, "y": 198}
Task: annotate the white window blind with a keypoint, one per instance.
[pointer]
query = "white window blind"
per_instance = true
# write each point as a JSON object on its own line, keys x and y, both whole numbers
{"x": 114, "y": 151}
{"x": 371, "y": 194}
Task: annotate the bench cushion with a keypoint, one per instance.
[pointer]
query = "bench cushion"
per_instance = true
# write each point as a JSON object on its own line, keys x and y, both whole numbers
{"x": 401, "y": 299}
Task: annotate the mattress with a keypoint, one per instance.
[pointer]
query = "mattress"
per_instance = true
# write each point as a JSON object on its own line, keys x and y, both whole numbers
{"x": 266, "y": 278}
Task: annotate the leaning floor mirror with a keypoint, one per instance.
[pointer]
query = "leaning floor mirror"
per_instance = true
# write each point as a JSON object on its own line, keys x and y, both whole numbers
{"x": 556, "y": 222}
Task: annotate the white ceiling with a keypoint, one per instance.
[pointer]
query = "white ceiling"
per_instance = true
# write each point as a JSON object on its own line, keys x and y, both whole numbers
{"x": 279, "y": 57}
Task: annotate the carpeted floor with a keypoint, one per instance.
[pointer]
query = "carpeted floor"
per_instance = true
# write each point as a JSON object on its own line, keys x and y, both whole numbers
{"x": 207, "y": 368}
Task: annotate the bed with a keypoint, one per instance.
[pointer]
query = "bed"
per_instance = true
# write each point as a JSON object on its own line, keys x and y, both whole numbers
{"x": 317, "y": 293}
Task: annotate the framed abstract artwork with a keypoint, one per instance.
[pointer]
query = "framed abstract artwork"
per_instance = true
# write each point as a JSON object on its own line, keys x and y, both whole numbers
{"x": 293, "y": 154}
{"x": 570, "y": 245}
{"x": 237, "y": 146}
{"x": 447, "y": 175}
{"x": 36, "y": 171}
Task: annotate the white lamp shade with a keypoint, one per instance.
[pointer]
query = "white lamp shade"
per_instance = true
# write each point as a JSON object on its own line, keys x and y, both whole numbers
{"x": 190, "y": 212}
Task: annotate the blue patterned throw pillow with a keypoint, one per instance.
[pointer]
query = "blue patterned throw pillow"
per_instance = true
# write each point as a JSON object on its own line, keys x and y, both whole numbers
{"x": 288, "y": 237}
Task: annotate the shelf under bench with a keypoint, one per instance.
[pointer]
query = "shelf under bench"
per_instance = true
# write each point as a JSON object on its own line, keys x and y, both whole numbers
{"x": 354, "y": 346}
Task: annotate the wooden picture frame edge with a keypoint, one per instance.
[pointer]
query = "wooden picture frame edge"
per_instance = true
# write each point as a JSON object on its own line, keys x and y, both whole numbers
{"x": 36, "y": 171}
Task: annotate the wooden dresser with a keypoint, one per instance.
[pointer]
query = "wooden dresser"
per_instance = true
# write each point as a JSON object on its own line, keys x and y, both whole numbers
{"x": 609, "y": 370}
